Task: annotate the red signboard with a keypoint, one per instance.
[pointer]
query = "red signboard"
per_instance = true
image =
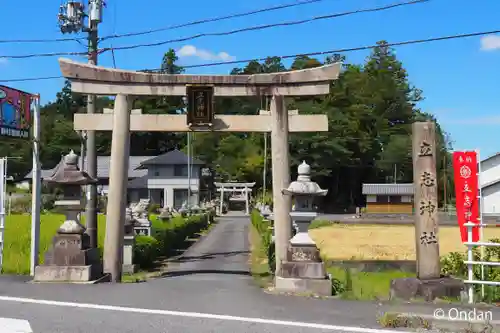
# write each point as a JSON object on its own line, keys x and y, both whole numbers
{"x": 466, "y": 191}
{"x": 15, "y": 113}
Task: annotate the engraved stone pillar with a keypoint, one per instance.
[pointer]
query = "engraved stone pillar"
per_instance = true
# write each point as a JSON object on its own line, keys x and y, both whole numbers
{"x": 429, "y": 283}
{"x": 70, "y": 259}
{"x": 425, "y": 200}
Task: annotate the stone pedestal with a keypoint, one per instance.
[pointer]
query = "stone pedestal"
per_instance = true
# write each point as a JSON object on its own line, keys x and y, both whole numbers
{"x": 128, "y": 251}
{"x": 70, "y": 260}
{"x": 429, "y": 290}
{"x": 304, "y": 272}
{"x": 142, "y": 226}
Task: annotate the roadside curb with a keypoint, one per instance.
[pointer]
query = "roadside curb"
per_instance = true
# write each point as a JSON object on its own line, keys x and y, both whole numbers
{"x": 430, "y": 322}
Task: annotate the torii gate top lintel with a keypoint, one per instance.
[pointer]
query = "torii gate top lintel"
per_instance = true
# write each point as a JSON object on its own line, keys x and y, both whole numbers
{"x": 229, "y": 185}
{"x": 91, "y": 79}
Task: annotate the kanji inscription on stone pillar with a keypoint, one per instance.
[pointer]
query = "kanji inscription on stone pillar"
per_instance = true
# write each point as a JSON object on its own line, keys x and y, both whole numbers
{"x": 425, "y": 200}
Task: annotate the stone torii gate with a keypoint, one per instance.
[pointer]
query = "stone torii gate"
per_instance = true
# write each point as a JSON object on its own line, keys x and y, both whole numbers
{"x": 244, "y": 189}
{"x": 95, "y": 80}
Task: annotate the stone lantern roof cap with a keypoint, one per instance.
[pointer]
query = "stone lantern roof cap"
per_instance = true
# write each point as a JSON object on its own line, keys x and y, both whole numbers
{"x": 68, "y": 173}
{"x": 303, "y": 185}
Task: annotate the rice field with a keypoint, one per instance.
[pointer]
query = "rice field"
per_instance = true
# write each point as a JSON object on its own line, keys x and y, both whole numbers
{"x": 383, "y": 242}
{"x": 17, "y": 247}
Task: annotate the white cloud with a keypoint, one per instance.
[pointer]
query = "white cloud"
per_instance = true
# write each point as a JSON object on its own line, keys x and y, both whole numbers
{"x": 490, "y": 43}
{"x": 192, "y": 51}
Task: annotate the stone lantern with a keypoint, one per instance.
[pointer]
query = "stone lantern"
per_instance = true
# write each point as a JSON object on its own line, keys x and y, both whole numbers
{"x": 70, "y": 259}
{"x": 303, "y": 271}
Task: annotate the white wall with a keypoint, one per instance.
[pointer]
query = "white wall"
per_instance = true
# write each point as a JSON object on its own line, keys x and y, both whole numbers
{"x": 491, "y": 199}
{"x": 490, "y": 170}
{"x": 371, "y": 198}
{"x": 162, "y": 177}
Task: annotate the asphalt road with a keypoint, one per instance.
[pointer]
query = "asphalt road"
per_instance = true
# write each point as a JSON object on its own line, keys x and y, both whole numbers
{"x": 209, "y": 290}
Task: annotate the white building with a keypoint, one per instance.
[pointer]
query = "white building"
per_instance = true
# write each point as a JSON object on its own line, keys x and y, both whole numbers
{"x": 490, "y": 184}
{"x": 163, "y": 179}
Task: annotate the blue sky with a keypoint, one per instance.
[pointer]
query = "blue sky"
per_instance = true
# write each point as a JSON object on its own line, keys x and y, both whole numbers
{"x": 459, "y": 78}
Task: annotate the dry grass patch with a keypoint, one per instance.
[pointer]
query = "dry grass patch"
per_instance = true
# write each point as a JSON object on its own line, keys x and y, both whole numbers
{"x": 383, "y": 242}
{"x": 259, "y": 267}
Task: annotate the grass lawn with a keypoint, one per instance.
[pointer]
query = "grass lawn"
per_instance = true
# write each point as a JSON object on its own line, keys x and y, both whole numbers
{"x": 367, "y": 285}
{"x": 387, "y": 242}
{"x": 16, "y": 259}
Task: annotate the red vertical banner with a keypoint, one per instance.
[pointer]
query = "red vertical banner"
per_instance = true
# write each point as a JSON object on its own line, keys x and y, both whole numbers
{"x": 466, "y": 191}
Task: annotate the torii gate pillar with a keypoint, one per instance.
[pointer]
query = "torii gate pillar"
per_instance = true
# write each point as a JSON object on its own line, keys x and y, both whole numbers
{"x": 117, "y": 196}
{"x": 281, "y": 178}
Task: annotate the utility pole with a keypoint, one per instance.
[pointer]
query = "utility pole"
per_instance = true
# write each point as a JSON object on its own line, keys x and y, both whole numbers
{"x": 71, "y": 16}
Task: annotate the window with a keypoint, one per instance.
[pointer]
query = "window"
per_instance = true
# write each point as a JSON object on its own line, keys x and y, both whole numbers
{"x": 157, "y": 173}
{"x": 395, "y": 199}
{"x": 180, "y": 171}
{"x": 382, "y": 199}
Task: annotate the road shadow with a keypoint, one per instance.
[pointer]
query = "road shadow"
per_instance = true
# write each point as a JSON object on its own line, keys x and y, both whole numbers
{"x": 210, "y": 255}
{"x": 204, "y": 271}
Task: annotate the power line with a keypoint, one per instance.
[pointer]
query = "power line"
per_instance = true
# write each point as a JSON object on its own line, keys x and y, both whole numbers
{"x": 40, "y": 78}
{"x": 272, "y": 25}
{"x": 360, "y": 48}
{"x": 215, "y": 19}
{"x": 336, "y": 51}
{"x": 42, "y": 55}
{"x": 50, "y": 40}
{"x": 226, "y": 33}
{"x": 172, "y": 27}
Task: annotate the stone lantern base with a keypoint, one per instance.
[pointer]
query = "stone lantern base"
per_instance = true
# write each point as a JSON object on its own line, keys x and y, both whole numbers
{"x": 70, "y": 260}
{"x": 303, "y": 272}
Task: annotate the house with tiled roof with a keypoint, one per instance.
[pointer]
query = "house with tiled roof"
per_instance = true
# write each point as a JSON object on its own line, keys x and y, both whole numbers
{"x": 163, "y": 179}
{"x": 389, "y": 198}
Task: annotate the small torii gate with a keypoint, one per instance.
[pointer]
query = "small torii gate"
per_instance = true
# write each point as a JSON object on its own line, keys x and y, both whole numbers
{"x": 243, "y": 188}
{"x": 200, "y": 89}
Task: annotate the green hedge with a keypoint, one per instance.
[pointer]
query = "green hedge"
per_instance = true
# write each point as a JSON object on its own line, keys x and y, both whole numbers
{"x": 167, "y": 237}
{"x": 263, "y": 229}
{"x": 453, "y": 265}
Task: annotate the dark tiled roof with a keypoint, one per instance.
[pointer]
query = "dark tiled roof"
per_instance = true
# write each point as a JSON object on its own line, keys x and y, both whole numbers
{"x": 103, "y": 167}
{"x": 171, "y": 158}
{"x": 139, "y": 182}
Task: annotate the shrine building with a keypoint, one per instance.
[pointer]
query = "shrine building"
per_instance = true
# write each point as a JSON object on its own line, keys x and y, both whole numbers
{"x": 389, "y": 198}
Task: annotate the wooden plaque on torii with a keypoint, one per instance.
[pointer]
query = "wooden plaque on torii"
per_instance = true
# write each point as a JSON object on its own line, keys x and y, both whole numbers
{"x": 200, "y": 106}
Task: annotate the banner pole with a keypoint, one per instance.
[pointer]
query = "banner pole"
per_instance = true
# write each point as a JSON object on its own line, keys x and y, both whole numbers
{"x": 481, "y": 222}
{"x": 36, "y": 192}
